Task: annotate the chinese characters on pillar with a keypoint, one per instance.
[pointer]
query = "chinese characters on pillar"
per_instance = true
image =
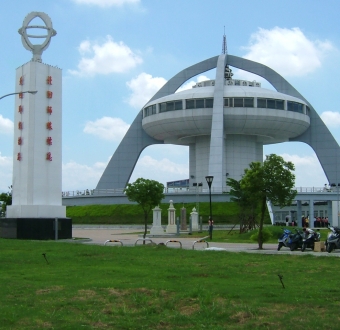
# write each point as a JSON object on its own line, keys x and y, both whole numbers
{"x": 20, "y": 123}
{"x": 49, "y": 125}
{"x": 49, "y": 156}
{"x": 49, "y": 111}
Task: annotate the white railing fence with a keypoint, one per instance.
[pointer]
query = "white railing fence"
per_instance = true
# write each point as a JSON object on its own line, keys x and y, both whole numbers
{"x": 189, "y": 190}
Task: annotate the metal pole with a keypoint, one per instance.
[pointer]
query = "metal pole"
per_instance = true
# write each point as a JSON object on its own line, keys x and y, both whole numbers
{"x": 56, "y": 229}
{"x": 210, "y": 228}
{"x": 31, "y": 92}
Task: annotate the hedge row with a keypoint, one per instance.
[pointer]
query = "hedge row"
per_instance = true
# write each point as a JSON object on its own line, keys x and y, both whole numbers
{"x": 223, "y": 213}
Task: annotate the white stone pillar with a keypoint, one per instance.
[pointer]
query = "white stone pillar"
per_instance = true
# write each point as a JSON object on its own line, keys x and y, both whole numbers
{"x": 172, "y": 227}
{"x": 194, "y": 219}
{"x": 157, "y": 228}
{"x": 37, "y": 147}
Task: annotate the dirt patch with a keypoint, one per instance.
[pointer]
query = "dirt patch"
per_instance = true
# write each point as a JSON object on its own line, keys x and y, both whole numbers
{"x": 242, "y": 317}
{"x": 49, "y": 290}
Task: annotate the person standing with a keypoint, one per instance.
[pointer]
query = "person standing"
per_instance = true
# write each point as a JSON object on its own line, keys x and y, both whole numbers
{"x": 211, "y": 227}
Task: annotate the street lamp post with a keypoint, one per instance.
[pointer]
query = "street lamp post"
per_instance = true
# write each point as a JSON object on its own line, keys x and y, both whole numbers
{"x": 30, "y": 92}
{"x": 210, "y": 179}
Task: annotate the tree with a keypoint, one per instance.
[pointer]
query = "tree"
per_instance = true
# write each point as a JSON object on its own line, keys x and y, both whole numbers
{"x": 273, "y": 180}
{"x": 6, "y": 199}
{"x": 147, "y": 193}
{"x": 246, "y": 202}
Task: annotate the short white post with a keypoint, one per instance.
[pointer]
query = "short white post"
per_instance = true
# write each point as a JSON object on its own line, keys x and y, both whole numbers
{"x": 157, "y": 228}
{"x": 171, "y": 228}
{"x": 194, "y": 220}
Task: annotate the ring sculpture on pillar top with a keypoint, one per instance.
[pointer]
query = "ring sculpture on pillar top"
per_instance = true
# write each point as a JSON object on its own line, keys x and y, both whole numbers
{"x": 36, "y": 49}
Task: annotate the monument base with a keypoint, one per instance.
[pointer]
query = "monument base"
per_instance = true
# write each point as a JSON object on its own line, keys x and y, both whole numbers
{"x": 35, "y": 228}
{"x": 171, "y": 229}
{"x": 156, "y": 230}
{"x": 36, "y": 211}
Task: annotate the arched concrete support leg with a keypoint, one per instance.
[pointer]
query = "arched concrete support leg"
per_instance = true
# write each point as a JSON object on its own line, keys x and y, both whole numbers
{"x": 317, "y": 135}
{"x": 118, "y": 172}
{"x": 216, "y": 157}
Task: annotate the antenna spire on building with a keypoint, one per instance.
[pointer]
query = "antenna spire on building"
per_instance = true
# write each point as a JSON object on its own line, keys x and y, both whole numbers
{"x": 227, "y": 73}
{"x": 224, "y": 43}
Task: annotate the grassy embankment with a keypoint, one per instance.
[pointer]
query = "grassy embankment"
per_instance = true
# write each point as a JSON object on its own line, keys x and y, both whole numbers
{"x": 154, "y": 287}
{"x": 223, "y": 213}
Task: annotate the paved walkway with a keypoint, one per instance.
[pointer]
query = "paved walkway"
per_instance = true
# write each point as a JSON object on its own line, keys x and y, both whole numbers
{"x": 129, "y": 236}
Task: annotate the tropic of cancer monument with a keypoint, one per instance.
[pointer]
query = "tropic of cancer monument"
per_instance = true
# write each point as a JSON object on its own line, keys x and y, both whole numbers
{"x": 36, "y": 210}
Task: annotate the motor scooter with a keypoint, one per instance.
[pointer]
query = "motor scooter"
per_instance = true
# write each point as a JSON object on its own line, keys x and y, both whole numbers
{"x": 284, "y": 239}
{"x": 333, "y": 239}
{"x": 296, "y": 240}
{"x": 309, "y": 238}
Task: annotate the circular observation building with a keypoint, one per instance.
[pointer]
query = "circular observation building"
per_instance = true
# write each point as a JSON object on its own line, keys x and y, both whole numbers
{"x": 225, "y": 122}
{"x": 241, "y": 118}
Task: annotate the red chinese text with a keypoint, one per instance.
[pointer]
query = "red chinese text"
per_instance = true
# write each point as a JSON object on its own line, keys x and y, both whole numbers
{"x": 49, "y": 125}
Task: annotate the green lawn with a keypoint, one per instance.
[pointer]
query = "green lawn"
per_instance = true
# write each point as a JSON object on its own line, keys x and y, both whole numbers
{"x": 153, "y": 287}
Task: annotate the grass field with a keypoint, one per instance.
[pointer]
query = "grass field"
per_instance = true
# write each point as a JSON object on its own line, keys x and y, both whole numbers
{"x": 54, "y": 285}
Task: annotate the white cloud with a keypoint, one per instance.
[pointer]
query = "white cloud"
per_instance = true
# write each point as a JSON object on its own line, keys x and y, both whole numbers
{"x": 331, "y": 118}
{"x": 107, "y": 128}
{"x": 308, "y": 171}
{"x": 106, "y": 58}
{"x": 189, "y": 84}
{"x": 143, "y": 87}
{"x": 288, "y": 51}
{"x": 160, "y": 170}
{"x": 80, "y": 177}
{"x": 6, "y": 125}
{"x": 6, "y": 170}
{"x": 106, "y": 3}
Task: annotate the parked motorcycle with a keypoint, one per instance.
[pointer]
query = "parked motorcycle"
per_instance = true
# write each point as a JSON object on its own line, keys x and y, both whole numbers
{"x": 284, "y": 239}
{"x": 309, "y": 238}
{"x": 333, "y": 239}
{"x": 296, "y": 240}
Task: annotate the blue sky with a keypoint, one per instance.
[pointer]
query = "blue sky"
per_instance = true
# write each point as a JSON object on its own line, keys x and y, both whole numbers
{"x": 115, "y": 54}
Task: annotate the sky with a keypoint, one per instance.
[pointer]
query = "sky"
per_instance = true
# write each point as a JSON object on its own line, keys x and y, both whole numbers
{"x": 116, "y": 54}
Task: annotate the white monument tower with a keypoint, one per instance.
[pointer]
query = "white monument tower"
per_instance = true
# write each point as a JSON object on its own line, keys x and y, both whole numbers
{"x": 37, "y": 152}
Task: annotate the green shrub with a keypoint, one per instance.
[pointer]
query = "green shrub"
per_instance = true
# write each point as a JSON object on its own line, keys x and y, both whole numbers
{"x": 266, "y": 234}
